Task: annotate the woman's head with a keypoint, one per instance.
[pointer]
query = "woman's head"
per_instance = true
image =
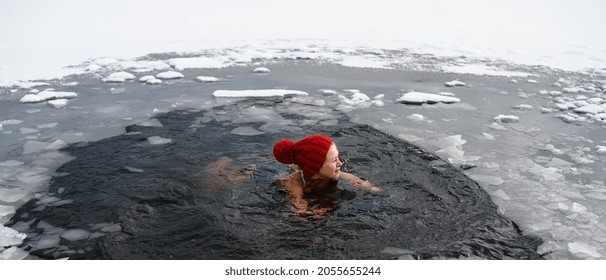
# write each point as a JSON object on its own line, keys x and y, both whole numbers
{"x": 311, "y": 154}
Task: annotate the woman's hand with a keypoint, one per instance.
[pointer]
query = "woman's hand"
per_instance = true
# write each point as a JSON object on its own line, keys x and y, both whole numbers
{"x": 359, "y": 183}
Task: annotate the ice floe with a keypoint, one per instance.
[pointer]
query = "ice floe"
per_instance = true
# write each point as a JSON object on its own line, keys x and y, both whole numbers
{"x": 261, "y": 70}
{"x": 418, "y": 98}
{"x": 507, "y": 119}
{"x": 454, "y": 83}
{"x": 47, "y": 95}
{"x": 169, "y": 75}
{"x": 206, "y": 79}
{"x": 119, "y": 77}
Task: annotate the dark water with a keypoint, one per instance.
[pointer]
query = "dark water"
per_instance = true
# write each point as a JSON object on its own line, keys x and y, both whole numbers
{"x": 176, "y": 209}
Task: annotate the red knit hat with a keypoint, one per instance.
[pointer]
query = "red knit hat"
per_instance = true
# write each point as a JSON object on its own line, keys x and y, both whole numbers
{"x": 308, "y": 153}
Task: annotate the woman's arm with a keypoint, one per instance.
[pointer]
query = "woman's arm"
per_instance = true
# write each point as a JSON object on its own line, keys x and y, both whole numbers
{"x": 359, "y": 183}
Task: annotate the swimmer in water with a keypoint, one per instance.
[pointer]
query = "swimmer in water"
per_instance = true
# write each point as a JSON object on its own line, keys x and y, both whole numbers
{"x": 315, "y": 160}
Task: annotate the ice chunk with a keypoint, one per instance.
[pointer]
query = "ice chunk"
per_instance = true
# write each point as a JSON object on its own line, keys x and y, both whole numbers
{"x": 157, "y": 140}
{"x": 10, "y": 163}
{"x": 10, "y": 195}
{"x": 151, "y": 123}
{"x": 418, "y": 98}
{"x": 549, "y": 173}
{"x": 553, "y": 149}
{"x": 111, "y": 228}
{"x": 75, "y": 234}
{"x": 548, "y": 247}
{"x": 257, "y": 93}
{"x": 488, "y": 136}
{"x": 454, "y": 83}
{"x": 590, "y": 109}
{"x": 531, "y": 81}
{"x": 525, "y": 107}
{"x": 581, "y": 249}
{"x": 146, "y": 78}
{"x": 58, "y": 103}
{"x": 601, "y": 149}
{"x": 47, "y": 95}
{"x": 261, "y": 70}
{"x": 328, "y": 91}
{"x": 26, "y": 130}
{"x": 416, "y": 117}
{"x": 46, "y": 125}
{"x": 487, "y": 179}
{"x": 501, "y": 194}
{"x": 59, "y": 144}
{"x": 31, "y": 147}
{"x": 206, "y": 79}
{"x": 133, "y": 169}
{"x": 254, "y": 114}
{"x": 13, "y": 253}
{"x": 119, "y": 77}
{"x": 153, "y": 81}
{"x": 506, "y": 119}
{"x": 46, "y": 242}
{"x": 246, "y": 131}
{"x": 9, "y": 236}
{"x": 169, "y": 75}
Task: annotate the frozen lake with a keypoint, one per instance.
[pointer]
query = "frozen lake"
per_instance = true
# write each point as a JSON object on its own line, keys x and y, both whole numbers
{"x": 532, "y": 137}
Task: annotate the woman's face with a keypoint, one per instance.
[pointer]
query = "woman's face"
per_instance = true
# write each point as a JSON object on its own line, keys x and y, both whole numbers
{"x": 332, "y": 165}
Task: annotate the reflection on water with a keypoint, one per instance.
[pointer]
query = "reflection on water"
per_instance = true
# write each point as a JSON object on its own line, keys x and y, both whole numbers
{"x": 211, "y": 193}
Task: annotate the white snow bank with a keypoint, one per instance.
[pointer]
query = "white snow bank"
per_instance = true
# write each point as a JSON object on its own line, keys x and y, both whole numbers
{"x": 47, "y": 95}
{"x": 421, "y": 97}
{"x": 257, "y": 93}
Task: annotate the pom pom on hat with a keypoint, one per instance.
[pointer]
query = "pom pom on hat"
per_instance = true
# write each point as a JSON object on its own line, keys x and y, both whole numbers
{"x": 308, "y": 153}
{"x": 283, "y": 151}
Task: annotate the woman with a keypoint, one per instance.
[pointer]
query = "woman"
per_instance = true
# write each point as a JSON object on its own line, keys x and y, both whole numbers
{"x": 315, "y": 160}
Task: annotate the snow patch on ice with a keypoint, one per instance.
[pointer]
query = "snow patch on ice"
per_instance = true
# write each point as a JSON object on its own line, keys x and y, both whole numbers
{"x": 418, "y": 98}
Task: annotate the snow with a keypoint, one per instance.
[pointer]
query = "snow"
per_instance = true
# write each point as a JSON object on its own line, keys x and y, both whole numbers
{"x": 462, "y": 46}
{"x": 506, "y": 119}
{"x": 119, "y": 77}
{"x": 479, "y": 69}
{"x": 454, "y": 83}
{"x": 421, "y": 97}
{"x": 206, "y": 79}
{"x": 257, "y": 93}
{"x": 197, "y": 62}
{"x": 169, "y": 75}
{"x": 261, "y": 70}
{"x": 47, "y": 95}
